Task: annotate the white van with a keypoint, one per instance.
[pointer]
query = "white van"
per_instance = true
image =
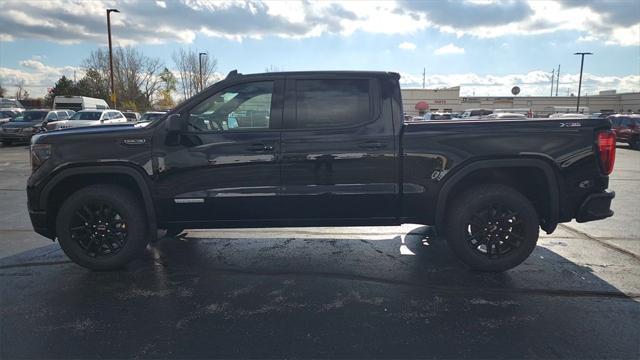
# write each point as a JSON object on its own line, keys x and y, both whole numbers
{"x": 78, "y": 103}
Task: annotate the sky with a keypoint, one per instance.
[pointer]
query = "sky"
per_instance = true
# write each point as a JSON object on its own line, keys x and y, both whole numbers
{"x": 484, "y": 46}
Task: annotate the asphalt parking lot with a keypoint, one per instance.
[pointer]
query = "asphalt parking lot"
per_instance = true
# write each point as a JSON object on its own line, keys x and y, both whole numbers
{"x": 323, "y": 292}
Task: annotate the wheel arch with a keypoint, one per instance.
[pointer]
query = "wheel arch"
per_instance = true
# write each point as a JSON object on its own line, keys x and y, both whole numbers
{"x": 71, "y": 179}
{"x": 504, "y": 167}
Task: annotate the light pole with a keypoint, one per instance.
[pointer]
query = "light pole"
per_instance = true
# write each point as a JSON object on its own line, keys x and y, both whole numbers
{"x": 582, "y": 54}
{"x": 113, "y": 91}
{"x": 200, "y": 59}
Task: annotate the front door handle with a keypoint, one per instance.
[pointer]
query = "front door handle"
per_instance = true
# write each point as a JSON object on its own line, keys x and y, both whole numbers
{"x": 260, "y": 147}
{"x": 373, "y": 145}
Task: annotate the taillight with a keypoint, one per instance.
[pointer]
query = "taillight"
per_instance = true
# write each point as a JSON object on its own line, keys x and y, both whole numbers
{"x": 607, "y": 150}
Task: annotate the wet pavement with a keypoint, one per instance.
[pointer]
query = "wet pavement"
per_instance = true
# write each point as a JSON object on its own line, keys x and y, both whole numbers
{"x": 324, "y": 292}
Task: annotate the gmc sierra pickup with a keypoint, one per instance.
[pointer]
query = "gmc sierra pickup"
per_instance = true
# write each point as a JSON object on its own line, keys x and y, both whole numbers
{"x": 317, "y": 149}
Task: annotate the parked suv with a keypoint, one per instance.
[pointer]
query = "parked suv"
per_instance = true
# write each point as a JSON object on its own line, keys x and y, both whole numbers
{"x": 21, "y": 127}
{"x": 84, "y": 118}
{"x": 627, "y": 129}
{"x": 317, "y": 149}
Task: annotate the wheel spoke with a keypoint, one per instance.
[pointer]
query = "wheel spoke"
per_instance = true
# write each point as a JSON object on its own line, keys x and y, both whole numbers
{"x": 99, "y": 229}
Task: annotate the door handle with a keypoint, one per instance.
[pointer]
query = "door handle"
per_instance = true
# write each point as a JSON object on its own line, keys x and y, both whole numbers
{"x": 260, "y": 147}
{"x": 373, "y": 145}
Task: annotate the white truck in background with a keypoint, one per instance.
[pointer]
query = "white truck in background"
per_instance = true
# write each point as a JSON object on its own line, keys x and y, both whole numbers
{"x": 77, "y": 103}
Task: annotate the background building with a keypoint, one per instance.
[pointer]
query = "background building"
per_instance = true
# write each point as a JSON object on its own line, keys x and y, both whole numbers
{"x": 449, "y": 100}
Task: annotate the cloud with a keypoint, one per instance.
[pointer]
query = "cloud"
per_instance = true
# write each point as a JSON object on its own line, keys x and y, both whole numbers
{"x": 468, "y": 14}
{"x": 615, "y": 22}
{"x": 533, "y": 83}
{"x": 449, "y": 49}
{"x": 407, "y": 46}
{"x": 38, "y": 77}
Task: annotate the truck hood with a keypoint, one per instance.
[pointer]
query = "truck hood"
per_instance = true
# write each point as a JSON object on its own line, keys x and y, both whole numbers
{"x": 60, "y": 136}
{"x": 65, "y": 124}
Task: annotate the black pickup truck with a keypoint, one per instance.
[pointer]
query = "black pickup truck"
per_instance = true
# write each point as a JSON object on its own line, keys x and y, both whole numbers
{"x": 317, "y": 149}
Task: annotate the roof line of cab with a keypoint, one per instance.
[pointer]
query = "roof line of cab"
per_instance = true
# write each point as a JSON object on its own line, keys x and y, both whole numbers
{"x": 235, "y": 74}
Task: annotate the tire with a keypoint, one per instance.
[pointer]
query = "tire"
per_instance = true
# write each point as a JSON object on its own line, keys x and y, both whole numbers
{"x": 634, "y": 143}
{"x": 174, "y": 231}
{"x": 7, "y": 142}
{"x": 492, "y": 227}
{"x": 102, "y": 227}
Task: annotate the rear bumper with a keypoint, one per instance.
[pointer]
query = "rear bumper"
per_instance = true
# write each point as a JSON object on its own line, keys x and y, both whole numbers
{"x": 596, "y": 206}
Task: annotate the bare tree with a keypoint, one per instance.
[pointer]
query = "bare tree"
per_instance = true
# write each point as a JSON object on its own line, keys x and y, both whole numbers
{"x": 136, "y": 76}
{"x": 20, "y": 91}
{"x": 188, "y": 64}
{"x": 272, "y": 68}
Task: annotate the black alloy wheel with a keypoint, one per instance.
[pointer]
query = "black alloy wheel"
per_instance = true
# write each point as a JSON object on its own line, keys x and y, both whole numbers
{"x": 99, "y": 229}
{"x": 102, "y": 227}
{"x": 491, "y": 227}
{"x": 495, "y": 230}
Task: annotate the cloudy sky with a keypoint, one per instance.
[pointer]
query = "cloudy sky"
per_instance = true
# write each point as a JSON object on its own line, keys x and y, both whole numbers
{"x": 486, "y": 46}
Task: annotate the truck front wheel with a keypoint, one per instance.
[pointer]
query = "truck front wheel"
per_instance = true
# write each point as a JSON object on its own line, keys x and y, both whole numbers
{"x": 492, "y": 227}
{"x": 101, "y": 227}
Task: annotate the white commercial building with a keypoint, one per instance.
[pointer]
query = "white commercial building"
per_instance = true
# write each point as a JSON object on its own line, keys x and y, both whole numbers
{"x": 449, "y": 100}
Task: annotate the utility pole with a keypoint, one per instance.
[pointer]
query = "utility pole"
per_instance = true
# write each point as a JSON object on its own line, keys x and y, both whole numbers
{"x": 424, "y": 76}
{"x": 582, "y": 54}
{"x": 113, "y": 90}
{"x": 557, "y": 79}
{"x": 552, "y": 80}
{"x": 200, "y": 60}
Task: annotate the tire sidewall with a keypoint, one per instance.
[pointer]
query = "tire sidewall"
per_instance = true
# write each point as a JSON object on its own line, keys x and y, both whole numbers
{"x": 123, "y": 202}
{"x": 472, "y": 201}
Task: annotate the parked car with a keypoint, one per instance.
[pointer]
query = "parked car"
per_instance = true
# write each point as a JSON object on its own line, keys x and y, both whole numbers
{"x": 131, "y": 116}
{"x": 7, "y": 114}
{"x": 505, "y": 116}
{"x": 333, "y": 150}
{"x": 84, "y": 118}
{"x": 21, "y": 128}
{"x": 433, "y": 116}
{"x": 475, "y": 113}
{"x": 568, "y": 116}
{"x": 627, "y": 129}
{"x": 152, "y": 115}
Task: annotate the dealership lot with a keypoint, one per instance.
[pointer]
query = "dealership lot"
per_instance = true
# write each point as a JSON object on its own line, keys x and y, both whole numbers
{"x": 323, "y": 292}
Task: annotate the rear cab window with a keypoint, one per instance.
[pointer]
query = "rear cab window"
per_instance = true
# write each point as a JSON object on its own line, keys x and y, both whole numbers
{"x": 331, "y": 103}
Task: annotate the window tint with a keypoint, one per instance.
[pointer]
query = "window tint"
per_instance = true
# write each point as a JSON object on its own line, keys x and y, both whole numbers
{"x": 331, "y": 103}
{"x": 52, "y": 116}
{"x": 624, "y": 122}
{"x": 240, "y": 107}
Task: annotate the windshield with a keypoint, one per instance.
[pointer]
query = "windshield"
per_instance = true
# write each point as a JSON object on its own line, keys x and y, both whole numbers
{"x": 7, "y": 114}
{"x": 150, "y": 116}
{"x": 29, "y": 116}
{"x": 86, "y": 115}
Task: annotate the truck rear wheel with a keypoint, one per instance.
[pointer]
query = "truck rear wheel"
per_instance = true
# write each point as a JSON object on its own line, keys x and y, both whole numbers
{"x": 492, "y": 227}
{"x": 101, "y": 227}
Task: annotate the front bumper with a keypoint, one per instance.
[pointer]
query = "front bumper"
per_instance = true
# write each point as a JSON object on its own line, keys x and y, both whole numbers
{"x": 18, "y": 136}
{"x": 596, "y": 206}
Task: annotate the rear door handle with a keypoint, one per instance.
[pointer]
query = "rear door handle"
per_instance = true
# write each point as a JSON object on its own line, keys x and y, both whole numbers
{"x": 373, "y": 145}
{"x": 260, "y": 147}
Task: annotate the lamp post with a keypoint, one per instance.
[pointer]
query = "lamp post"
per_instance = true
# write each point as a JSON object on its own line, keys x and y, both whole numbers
{"x": 582, "y": 54}
{"x": 200, "y": 69}
{"x": 113, "y": 91}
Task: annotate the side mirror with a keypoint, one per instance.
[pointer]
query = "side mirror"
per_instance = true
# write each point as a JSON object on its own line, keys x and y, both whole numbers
{"x": 174, "y": 123}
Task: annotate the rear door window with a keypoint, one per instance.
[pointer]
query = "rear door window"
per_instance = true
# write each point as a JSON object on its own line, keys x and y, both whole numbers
{"x": 329, "y": 103}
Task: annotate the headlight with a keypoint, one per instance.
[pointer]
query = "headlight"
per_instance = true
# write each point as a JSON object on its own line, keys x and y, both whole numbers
{"x": 39, "y": 154}
{"x": 28, "y": 129}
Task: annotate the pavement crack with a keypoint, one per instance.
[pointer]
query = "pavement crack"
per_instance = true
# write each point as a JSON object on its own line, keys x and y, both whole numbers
{"x": 600, "y": 241}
